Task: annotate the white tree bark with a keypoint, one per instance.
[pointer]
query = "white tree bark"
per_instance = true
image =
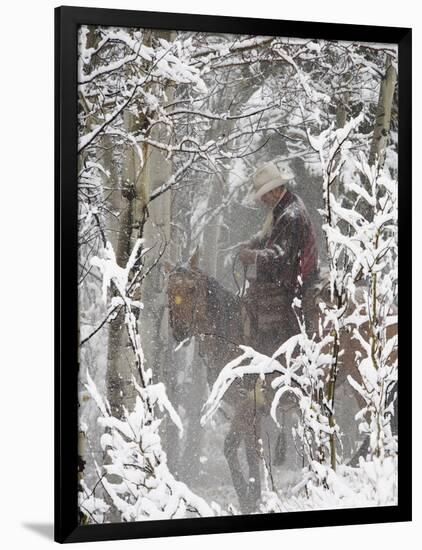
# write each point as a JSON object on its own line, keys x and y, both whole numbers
{"x": 383, "y": 120}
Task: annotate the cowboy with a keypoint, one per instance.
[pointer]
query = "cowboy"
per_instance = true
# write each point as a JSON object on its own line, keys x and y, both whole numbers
{"x": 282, "y": 261}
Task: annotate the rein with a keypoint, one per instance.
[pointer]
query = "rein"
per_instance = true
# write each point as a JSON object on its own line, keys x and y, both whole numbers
{"x": 240, "y": 289}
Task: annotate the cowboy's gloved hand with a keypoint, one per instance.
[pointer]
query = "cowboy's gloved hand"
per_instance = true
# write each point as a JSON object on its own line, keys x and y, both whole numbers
{"x": 247, "y": 256}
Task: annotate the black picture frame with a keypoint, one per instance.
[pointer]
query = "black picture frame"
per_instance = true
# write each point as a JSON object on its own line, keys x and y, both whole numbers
{"x": 67, "y": 20}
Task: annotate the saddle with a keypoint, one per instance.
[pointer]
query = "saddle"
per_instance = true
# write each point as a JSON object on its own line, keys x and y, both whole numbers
{"x": 270, "y": 304}
{"x": 267, "y": 304}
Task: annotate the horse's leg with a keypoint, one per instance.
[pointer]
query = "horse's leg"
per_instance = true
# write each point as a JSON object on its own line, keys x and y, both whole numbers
{"x": 362, "y": 451}
{"x": 231, "y": 446}
{"x": 348, "y": 367}
{"x": 280, "y": 450}
{"x": 365, "y": 445}
{"x": 252, "y": 435}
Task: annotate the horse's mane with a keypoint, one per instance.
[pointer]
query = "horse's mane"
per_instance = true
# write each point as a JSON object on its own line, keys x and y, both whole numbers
{"x": 214, "y": 286}
{"x": 222, "y": 305}
{"x": 218, "y": 295}
{"x": 224, "y": 308}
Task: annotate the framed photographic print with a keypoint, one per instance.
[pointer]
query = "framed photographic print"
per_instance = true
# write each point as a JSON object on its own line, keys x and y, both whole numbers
{"x": 233, "y": 285}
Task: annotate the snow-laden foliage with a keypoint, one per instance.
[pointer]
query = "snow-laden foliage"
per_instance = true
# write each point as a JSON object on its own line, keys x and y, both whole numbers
{"x": 376, "y": 264}
{"x": 362, "y": 261}
{"x": 172, "y": 126}
{"x": 134, "y": 475}
{"x": 372, "y": 483}
{"x": 92, "y": 508}
{"x": 362, "y": 252}
{"x": 303, "y": 375}
{"x": 299, "y": 375}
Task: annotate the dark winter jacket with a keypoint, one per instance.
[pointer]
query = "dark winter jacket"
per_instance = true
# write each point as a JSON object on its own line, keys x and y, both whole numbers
{"x": 290, "y": 249}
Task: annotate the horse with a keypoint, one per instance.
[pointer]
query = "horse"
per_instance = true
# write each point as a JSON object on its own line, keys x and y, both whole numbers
{"x": 199, "y": 306}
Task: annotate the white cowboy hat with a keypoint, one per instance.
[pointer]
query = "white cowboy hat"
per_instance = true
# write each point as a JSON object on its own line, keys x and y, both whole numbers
{"x": 268, "y": 177}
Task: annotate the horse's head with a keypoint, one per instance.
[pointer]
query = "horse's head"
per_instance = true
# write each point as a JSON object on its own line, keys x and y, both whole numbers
{"x": 187, "y": 299}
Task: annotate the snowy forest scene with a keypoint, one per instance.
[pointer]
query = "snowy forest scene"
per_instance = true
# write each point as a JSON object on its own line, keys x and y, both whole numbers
{"x": 237, "y": 274}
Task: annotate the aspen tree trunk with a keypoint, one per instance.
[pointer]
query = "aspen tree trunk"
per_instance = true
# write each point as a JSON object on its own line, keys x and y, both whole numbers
{"x": 383, "y": 118}
{"x": 157, "y": 341}
{"x": 129, "y": 180}
{"x": 381, "y": 127}
{"x": 129, "y": 199}
{"x": 120, "y": 391}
